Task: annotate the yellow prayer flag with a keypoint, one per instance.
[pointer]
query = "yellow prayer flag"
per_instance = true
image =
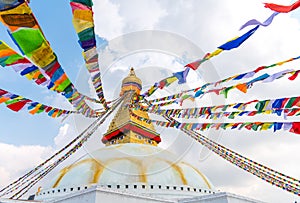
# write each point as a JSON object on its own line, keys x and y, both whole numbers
{"x": 215, "y": 53}
{"x": 171, "y": 79}
{"x": 43, "y": 56}
{"x": 81, "y": 25}
{"x": 266, "y": 126}
{"x": 86, "y": 15}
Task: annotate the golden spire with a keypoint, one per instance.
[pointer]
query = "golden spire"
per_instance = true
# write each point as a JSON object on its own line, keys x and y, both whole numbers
{"x": 125, "y": 128}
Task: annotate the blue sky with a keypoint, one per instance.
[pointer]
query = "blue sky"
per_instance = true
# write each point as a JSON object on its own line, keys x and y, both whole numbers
{"x": 207, "y": 25}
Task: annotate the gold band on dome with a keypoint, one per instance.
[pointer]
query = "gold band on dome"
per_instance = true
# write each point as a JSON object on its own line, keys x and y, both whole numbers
{"x": 202, "y": 176}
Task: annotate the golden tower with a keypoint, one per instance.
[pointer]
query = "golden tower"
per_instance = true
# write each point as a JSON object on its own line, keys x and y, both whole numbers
{"x": 125, "y": 128}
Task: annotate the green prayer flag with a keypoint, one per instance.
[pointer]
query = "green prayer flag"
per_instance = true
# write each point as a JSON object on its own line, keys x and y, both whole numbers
{"x": 87, "y": 34}
{"x": 61, "y": 87}
{"x": 28, "y": 39}
{"x": 260, "y": 105}
{"x": 289, "y": 104}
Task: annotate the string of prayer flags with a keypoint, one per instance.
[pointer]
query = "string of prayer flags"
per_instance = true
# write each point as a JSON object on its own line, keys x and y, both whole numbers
{"x": 207, "y": 114}
{"x": 83, "y": 22}
{"x": 280, "y": 106}
{"x": 31, "y": 41}
{"x": 244, "y": 87}
{"x": 231, "y": 44}
{"x": 256, "y": 22}
{"x": 234, "y": 43}
{"x": 293, "y": 127}
{"x": 263, "y": 172}
{"x": 281, "y": 8}
{"x": 21, "y": 65}
{"x": 265, "y": 78}
{"x": 199, "y": 90}
{"x": 164, "y": 83}
{"x": 16, "y": 103}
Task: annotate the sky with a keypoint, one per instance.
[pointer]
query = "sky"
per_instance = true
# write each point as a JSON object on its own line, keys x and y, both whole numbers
{"x": 158, "y": 37}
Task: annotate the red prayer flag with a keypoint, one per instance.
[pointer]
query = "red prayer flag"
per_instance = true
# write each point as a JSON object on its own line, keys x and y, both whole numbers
{"x": 259, "y": 69}
{"x": 295, "y": 128}
{"x": 294, "y": 76}
{"x": 48, "y": 108}
{"x": 194, "y": 65}
{"x": 18, "y": 105}
{"x": 2, "y": 92}
{"x": 40, "y": 80}
{"x": 281, "y": 8}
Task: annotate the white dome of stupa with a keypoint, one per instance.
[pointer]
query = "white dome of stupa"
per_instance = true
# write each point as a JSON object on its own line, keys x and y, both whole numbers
{"x": 138, "y": 168}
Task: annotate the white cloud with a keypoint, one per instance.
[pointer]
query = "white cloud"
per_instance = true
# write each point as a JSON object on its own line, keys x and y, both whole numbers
{"x": 113, "y": 17}
{"x": 65, "y": 134}
{"x": 107, "y": 19}
{"x": 20, "y": 159}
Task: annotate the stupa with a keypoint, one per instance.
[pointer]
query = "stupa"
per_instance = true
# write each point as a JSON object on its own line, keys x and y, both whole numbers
{"x": 131, "y": 167}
